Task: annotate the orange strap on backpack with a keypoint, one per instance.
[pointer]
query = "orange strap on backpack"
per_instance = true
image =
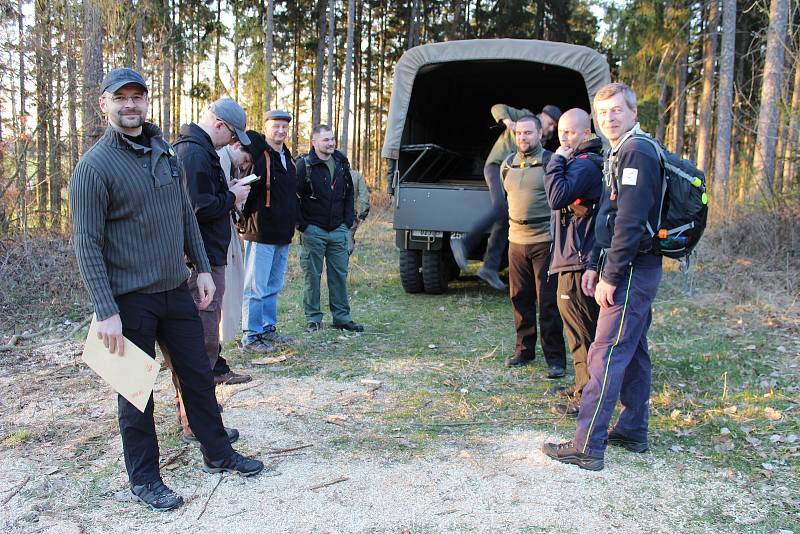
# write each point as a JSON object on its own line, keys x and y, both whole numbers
{"x": 268, "y": 178}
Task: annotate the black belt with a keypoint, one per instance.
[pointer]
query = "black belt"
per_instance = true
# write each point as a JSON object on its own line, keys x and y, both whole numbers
{"x": 535, "y": 220}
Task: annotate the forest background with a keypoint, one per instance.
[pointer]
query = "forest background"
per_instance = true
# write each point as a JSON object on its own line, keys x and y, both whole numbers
{"x": 718, "y": 81}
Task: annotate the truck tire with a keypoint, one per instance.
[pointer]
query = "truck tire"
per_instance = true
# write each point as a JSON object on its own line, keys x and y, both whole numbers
{"x": 411, "y": 271}
{"x": 434, "y": 272}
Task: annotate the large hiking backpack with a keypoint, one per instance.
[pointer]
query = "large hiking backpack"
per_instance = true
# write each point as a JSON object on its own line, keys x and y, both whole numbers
{"x": 684, "y": 201}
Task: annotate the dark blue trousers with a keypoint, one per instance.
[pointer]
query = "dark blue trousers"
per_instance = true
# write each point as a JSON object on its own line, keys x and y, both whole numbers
{"x": 619, "y": 365}
{"x": 496, "y": 219}
{"x": 171, "y": 318}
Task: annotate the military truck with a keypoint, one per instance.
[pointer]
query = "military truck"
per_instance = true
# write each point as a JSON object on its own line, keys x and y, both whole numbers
{"x": 440, "y": 130}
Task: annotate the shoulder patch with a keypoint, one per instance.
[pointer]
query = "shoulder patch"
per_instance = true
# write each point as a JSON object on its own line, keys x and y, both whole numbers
{"x": 629, "y": 176}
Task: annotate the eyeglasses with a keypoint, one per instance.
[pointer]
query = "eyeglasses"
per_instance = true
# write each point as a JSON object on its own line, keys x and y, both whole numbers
{"x": 234, "y": 137}
{"x": 121, "y": 100}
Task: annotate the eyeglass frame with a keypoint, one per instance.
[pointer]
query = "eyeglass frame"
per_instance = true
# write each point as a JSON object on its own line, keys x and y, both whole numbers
{"x": 137, "y": 100}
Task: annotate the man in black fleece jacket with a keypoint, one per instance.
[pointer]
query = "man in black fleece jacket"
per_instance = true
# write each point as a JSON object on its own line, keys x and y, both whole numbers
{"x": 268, "y": 222}
{"x": 574, "y": 183}
{"x": 623, "y": 275}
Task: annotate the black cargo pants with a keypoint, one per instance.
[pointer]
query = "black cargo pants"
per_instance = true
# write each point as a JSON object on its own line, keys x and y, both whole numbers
{"x": 579, "y": 314}
{"x": 496, "y": 219}
{"x": 171, "y": 318}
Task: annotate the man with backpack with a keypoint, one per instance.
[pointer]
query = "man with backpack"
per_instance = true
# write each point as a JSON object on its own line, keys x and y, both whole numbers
{"x": 623, "y": 275}
{"x": 573, "y": 183}
{"x": 529, "y": 244}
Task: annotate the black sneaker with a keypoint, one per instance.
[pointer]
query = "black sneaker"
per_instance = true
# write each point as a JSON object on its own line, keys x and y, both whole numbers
{"x": 566, "y": 453}
{"x": 617, "y": 439}
{"x": 314, "y": 326}
{"x": 272, "y": 337}
{"x": 259, "y": 346}
{"x": 518, "y": 360}
{"x": 191, "y": 439}
{"x": 157, "y": 496}
{"x": 232, "y": 378}
{"x": 570, "y": 409}
{"x": 349, "y": 326}
{"x": 235, "y": 463}
{"x": 555, "y": 371}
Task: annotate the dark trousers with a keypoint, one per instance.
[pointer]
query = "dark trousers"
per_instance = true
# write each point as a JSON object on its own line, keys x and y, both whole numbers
{"x": 619, "y": 365}
{"x": 496, "y": 219}
{"x": 169, "y": 317}
{"x": 529, "y": 283}
{"x": 579, "y": 315}
{"x": 212, "y": 315}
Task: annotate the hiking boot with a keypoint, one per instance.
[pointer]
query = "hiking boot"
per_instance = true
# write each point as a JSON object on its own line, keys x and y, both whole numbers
{"x": 157, "y": 496}
{"x": 617, "y": 439}
{"x": 555, "y": 371}
{"x": 350, "y": 326}
{"x": 314, "y": 326}
{"x": 191, "y": 439}
{"x": 232, "y": 378}
{"x": 272, "y": 337}
{"x": 259, "y": 346}
{"x": 570, "y": 409}
{"x": 491, "y": 277}
{"x": 235, "y": 463}
{"x": 459, "y": 253}
{"x": 517, "y": 360}
{"x": 563, "y": 391}
{"x": 566, "y": 453}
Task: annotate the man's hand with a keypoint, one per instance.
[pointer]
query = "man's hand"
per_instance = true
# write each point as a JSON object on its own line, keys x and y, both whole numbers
{"x": 589, "y": 282}
{"x": 110, "y": 331}
{"x": 604, "y": 294}
{"x": 240, "y": 191}
{"x": 509, "y": 124}
{"x": 206, "y": 289}
{"x": 565, "y": 151}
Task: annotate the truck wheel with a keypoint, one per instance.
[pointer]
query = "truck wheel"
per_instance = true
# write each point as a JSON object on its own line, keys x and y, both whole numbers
{"x": 411, "y": 271}
{"x": 434, "y": 272}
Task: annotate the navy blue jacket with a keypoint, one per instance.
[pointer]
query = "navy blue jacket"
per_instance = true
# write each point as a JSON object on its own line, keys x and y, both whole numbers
{"x": 621, "y": 225}
{"x": 205, "y": 182}
{"x": 324, "y": 202}
{"x": 567, "y": 180}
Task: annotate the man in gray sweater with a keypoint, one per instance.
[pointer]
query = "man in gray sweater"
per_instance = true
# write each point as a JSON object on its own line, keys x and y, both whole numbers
{"x": 133, "y": 225}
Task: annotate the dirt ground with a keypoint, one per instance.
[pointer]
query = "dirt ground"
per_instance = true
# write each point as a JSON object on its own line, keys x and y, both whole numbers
{"x": 63, "y": 476}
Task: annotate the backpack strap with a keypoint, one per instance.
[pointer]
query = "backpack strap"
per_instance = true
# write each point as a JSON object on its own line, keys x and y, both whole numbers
{"x": 267, "y": 177}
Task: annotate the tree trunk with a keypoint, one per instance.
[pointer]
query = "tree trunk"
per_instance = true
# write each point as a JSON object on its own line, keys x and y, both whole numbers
{"x": 679, "y": 109}
{"x": 791, "y": 150}
{"x": 348, "y": 73}
{"x": 92, "y": 73}
{"x": 331, "y": 64}
{"x": 54, "y": 164}
{"x": 43, "y": 111}
{"x": 268, "y": 52}
{"x": 316, "y": 104}
{"x": 766, "y": 139}
{"x": 368, "y": 98}
{"x": 663, "y": 95}
{"x": 217, "y": 47}
{"x": 22, "y": 145}
{"x": 296, "y": 83}
{"x": 72, "y": 105}
{"x": 413, "y": 25}
{"x": 705, "y": 126}
{"x": 722, "y": 149}
{"x": 166, "y": 71}
{"x": 138, "y": 37}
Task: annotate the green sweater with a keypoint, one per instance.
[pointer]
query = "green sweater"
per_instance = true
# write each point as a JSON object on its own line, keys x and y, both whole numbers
{"x": 528, "y": 211}
{"x": 132, "y": 221}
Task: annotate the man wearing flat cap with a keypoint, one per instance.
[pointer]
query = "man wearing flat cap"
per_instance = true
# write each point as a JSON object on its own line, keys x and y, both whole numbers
{"x": 133, "y": 227}
{"x": 268, "y": 221}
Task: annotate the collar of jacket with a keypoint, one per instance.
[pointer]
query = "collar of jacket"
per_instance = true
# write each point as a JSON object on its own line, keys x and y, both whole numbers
{"x": 119, "y": 140}
{"x": 192, "y": 133}
{"x": 591, "y": 145}
{"x": 536, "y": 153}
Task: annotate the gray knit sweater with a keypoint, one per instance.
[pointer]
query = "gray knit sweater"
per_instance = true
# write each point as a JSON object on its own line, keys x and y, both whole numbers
{"x": 132, "y": 220}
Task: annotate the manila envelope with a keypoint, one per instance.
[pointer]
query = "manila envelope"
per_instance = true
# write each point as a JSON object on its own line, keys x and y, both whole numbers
{"x": 132, "y": 375}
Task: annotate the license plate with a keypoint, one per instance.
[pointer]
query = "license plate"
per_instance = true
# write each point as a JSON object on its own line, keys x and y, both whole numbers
{"x": 457, "y": 235}
{"x": 426, "y": 233}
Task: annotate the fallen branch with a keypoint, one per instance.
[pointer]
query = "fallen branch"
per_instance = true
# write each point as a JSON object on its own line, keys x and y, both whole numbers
{"x": 474, "y": 423}
{"x": 290, "y": 449}
{"x": 15, "y": 490}
{"x": 11, "y": 346}
{"x": 21, "y": 337}
{"x": 205, "y": 505}
{"x": 174, "y": 457}
{"x": 331, "y": 483}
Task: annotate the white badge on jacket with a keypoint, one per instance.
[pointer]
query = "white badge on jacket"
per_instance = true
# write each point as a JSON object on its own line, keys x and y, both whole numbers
{"x": 629, "y": 176}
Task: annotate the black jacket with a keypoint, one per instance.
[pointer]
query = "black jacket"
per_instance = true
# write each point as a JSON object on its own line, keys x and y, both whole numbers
{"x": 621, "y": 226}
{"x": 580, "y": 177}
{"x": 324, "y": 202}
{"x": 208, "y": 190}
{"x": 275, "y": 224}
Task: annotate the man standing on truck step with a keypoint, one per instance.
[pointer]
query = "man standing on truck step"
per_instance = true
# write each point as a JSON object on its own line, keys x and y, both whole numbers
{"x": 497, "y": 217}
{"x": 269, "y": 217}
{"x": 529, "y": 251}
{"x": 623, "y": 274}
{"x": 327, "y": 212}
{"x": 573, "y": 183}
{"x": 133, "y": 228}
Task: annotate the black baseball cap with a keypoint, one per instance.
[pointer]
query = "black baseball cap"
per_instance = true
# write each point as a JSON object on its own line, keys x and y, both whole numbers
{"x": 119, "y": 77}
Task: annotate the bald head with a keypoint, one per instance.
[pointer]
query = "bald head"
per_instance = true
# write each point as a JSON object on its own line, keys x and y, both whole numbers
{"x": 574, "y": 127}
